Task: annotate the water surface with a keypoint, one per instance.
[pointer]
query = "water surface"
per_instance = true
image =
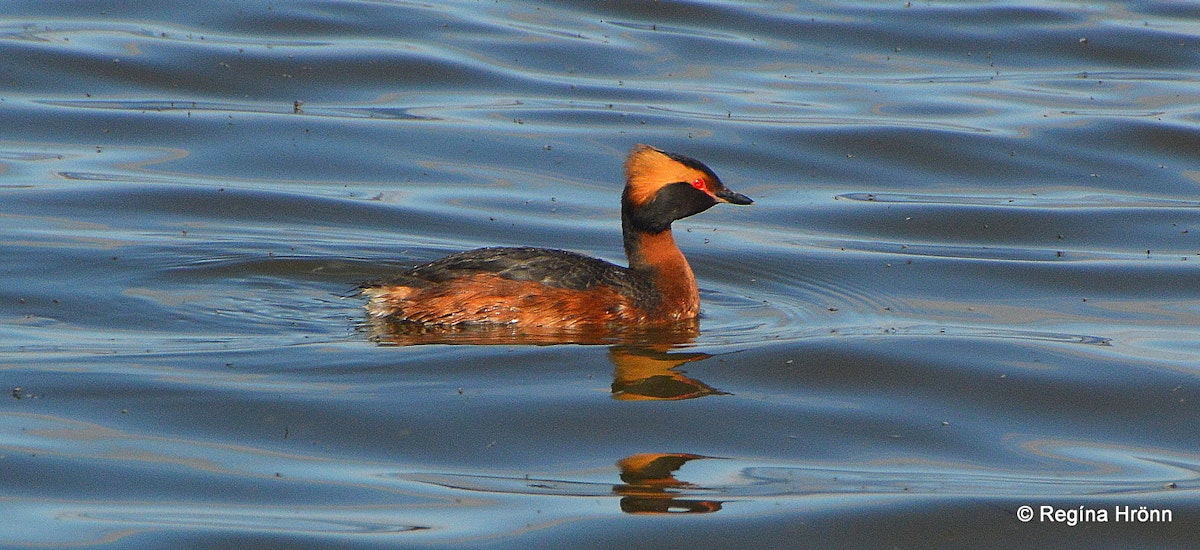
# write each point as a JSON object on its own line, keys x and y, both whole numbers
{"x": 970, "y": 281}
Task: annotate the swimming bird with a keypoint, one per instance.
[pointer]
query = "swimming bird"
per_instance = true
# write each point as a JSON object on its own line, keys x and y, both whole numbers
{"x": 538, "y": 287}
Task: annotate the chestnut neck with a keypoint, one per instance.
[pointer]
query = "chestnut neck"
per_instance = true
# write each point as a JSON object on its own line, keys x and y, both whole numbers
{"x": 655, "y": 254}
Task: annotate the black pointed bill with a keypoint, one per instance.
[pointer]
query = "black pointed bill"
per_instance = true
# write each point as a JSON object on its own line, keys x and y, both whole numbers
{"x": 733, "y": 198}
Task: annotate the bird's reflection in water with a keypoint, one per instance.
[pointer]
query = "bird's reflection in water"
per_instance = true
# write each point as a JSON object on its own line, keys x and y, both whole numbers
{"x": 644, "y": 373}
{"x": 650, "y": 486}
{"x": 644, "y": 367}
{"x": 402, "y": 333}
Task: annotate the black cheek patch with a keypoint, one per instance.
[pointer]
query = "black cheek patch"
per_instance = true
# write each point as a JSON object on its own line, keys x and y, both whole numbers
{"x": 672, "y": 202}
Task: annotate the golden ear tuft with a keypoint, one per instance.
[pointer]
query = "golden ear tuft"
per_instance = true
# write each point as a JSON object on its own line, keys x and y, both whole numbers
{"x": 642, "y": 158}
{"x": 649, "y": 169}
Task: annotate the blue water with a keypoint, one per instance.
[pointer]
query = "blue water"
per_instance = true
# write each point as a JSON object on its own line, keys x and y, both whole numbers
{"x": 970, "y": 281}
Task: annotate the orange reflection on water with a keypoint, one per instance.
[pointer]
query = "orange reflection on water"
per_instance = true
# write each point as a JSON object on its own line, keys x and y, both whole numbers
{"x": 644, "y": 366}
{"x": 650, "y": 486}
{"x": 643, "y": 373}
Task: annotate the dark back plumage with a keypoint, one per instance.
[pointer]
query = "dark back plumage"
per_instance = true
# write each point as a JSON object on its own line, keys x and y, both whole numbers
{"x": 556, "y": 268}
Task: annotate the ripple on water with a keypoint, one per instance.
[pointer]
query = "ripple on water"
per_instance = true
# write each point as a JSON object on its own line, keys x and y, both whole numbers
{"x": 969, "y": 282}
{"x": 680, "y": 481}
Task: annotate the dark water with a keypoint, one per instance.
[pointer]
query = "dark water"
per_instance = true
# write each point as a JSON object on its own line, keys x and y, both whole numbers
{"x": 970, "y": 282}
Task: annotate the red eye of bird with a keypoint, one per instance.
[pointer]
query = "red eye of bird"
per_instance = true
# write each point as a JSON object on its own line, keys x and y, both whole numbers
{"x": 698, "y": 183}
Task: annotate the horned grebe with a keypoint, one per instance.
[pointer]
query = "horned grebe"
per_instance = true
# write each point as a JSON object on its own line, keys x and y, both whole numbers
{"x": 538, "y": 287}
